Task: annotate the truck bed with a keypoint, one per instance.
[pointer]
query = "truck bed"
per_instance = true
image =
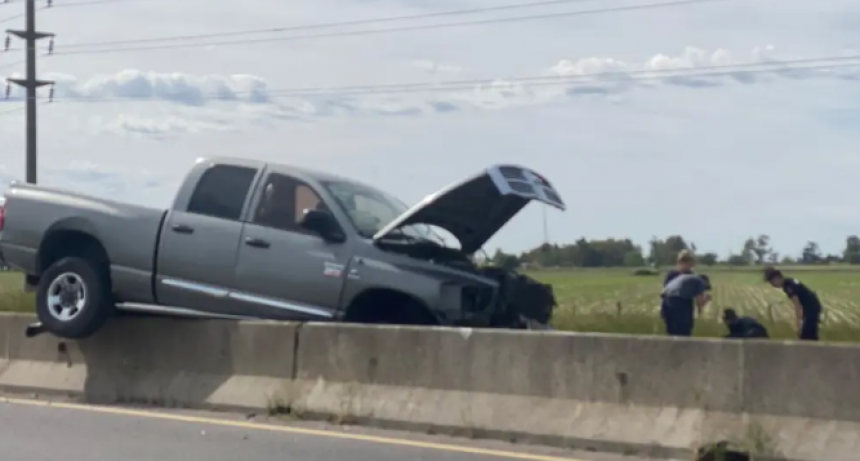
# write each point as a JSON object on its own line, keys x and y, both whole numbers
{"x": 129, "y": 233}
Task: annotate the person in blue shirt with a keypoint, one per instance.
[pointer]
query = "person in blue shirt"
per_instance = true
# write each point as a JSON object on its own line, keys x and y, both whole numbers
{"x": 683, "y": 265}
{"x": 683, "y": 296}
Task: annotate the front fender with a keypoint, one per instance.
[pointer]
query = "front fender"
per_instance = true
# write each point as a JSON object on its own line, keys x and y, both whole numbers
{"x": 367, "y": 273}
{"x": 438, "y": 288}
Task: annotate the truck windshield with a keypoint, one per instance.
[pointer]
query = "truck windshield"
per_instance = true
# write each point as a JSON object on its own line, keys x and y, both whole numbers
{"x": 371, "y": 209}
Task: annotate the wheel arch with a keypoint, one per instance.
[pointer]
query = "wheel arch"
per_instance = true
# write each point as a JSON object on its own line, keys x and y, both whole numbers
{"x": 71, "y": 237}
{"x": 379, "y": 302}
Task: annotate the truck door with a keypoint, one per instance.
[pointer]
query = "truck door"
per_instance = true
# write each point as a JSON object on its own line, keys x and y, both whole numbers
{"x": 283, "y": 270}
{"x": 199, "y": 242}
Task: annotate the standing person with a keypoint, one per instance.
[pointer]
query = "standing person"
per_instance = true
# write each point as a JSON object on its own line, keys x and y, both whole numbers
{"x": 683, "y": 296}
{"x": 807, "y": 307}
{"x": 683, "y": 265}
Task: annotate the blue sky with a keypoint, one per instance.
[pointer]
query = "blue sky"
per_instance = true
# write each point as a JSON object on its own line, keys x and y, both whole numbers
{"x": 715, "y": 160}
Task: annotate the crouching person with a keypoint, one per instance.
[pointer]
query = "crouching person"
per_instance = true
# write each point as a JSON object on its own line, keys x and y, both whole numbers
{"x": 683, "y": 296}
{"x": 743, "y": 327}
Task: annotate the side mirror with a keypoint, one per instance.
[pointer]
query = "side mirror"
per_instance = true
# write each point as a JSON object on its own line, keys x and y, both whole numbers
{"x": 322, "y": 223}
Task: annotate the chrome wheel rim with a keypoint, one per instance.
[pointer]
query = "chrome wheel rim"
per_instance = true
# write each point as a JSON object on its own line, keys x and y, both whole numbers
{"x": 66, "y": 297}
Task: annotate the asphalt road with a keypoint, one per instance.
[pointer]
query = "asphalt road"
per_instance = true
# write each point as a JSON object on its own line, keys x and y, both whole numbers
{"x": 40, "y": 431}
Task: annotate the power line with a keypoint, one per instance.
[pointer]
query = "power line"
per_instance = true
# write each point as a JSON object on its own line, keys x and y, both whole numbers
{"x": 579, "y": 80}
{"x": 11, "y": 18}
{"x": 9, "y": 111}
{"x": 296, "y": 92}
{"x": 329, "y": 25}
{"x": 12, "y": 64}
{"x": 86, "y": 2}
{"x": 52, "y": 5}
{"x": 822, "y": 63}
{"x": 620, "y": 9}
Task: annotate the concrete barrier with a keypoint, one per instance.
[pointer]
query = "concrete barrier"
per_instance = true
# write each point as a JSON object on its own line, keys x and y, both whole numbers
{"x": 653, "y": 396}
{"x": 643, "y": 395}
{"x": 154, "y": 361}
{"x": 647, "y": 395}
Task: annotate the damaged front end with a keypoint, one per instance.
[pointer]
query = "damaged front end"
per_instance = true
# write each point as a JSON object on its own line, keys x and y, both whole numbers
{"x": 523, "y": 302}
{"x": 472, "y": 211}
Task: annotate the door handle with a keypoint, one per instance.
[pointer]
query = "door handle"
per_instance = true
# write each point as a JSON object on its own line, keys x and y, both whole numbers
{"x": 257, "y": 243}
{"x": 182, "y": 229}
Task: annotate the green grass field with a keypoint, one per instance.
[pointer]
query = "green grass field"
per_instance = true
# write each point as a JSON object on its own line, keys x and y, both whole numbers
{"x": 616, "y": 301}
{"x": 12, "y": 296}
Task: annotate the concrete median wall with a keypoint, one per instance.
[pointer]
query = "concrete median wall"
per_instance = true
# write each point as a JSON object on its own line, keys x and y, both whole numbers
{"x": 657, "y": 396}
{"x": 154, "y": 361}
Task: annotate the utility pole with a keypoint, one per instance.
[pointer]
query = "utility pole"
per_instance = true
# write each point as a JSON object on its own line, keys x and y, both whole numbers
{"x": 545, "y": 226}
{"x": 31, "y": 83}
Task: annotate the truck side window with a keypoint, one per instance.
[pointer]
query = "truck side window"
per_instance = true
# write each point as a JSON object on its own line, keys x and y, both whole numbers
{"x": 284, "y": 201}
{"x": 221, "y": 192}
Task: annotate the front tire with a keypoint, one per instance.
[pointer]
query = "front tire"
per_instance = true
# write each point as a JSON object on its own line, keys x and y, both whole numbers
{"x": 74, "y": 299}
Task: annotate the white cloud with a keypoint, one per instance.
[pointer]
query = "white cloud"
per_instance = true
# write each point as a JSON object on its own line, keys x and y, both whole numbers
{"x": 231, "y": 98}
{"x": 433, "y": 67}
{"x": 717, "y": 67}
{"x": 159, "y": 128}
{"x": 568, "y": 77}
{"x": 175, "y": 87}
{"x": 629, "y": 154}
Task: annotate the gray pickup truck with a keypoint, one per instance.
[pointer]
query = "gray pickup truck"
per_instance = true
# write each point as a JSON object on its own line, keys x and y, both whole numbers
{"x": 253, "y": 240}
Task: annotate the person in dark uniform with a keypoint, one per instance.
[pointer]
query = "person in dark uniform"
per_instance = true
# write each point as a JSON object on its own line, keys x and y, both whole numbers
{"x": 807, "y": 307}
{"x": 743, "y": 327}
{"x": 683, "y": 296}
{"x": 683, "y": 265}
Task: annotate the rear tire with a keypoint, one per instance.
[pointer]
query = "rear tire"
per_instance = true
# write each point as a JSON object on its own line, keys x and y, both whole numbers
{"x": 74, "y": 299}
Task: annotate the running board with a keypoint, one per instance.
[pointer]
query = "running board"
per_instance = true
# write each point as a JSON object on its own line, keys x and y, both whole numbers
{"x": 37, "y": 328}
{"x": 177, "y": 311}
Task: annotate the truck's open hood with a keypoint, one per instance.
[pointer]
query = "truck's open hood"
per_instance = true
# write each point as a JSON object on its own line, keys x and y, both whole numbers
{"x": 475, "y": 209}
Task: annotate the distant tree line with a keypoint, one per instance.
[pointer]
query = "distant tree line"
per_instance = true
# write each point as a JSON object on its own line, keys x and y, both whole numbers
{"x": 662, "y": 252}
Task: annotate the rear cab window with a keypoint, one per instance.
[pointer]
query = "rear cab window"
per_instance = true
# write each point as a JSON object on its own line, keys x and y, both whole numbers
{"x": 222, "y": 191}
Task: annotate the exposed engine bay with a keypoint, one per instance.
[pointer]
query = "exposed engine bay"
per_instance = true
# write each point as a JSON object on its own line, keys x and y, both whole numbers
{"x": 521, "y": 298}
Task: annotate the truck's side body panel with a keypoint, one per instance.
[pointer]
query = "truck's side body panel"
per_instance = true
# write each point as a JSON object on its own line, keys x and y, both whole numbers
{"x": 196, "y": 270}
{"x": 295, "y": 274}
{"x": 127, "y": 232}
{"x": 197, "y": 252}
{"x": 298, "y": 276}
